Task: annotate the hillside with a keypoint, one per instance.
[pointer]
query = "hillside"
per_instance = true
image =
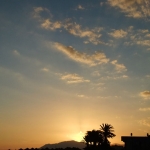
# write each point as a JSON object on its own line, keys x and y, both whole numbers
{"x": 65, "y": 144}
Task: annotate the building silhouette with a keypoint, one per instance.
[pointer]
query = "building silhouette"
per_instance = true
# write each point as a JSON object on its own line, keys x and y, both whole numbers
{"x": 136, "y": 142}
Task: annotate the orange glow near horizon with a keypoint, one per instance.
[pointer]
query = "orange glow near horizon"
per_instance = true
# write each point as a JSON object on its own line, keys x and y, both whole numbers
{"x": 78, "y": 136}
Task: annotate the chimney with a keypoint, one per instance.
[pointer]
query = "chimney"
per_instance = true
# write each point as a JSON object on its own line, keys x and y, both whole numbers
{"x": 147, "y": 134}
{"x": 131, "y": 134}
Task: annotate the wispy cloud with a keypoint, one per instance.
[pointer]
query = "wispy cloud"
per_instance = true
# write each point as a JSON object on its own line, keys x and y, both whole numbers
{"x": 96, "y": 73}
{"x": 148, "y": 49}
{"x": 119, "y": 67}
{"x": 80, "y": 7}
{"x": 37, "y": 12}
{"x": 132, "y": 8}
{"x": 145, "y": 122}
{"x": 114, "y": 77}
{"x": 73, "y": 78}
{"x": 101, "y": 3}
{"x": 12, "y": 74}
{"x": 147, "y": 35}
{"x": 118, "y": 33}
{"x": 138, "y": 37}
{"x": 91, "y": 60}
{"x": 143, "y": 31}
{"x": 98, "y": 86}
{"x": 82, "y": 96}
{"x": 15, "y": 52}
{"x": 143, "y": 42}
{"x": 49, "y": 25}
{"x": 145, "y": 94}
{"x": 25, "y": 59}
{"x": 45, "y": 69}
{"x": 93, "y": 35}
{"x": 125, "y": 76}
{"x": 147, "y": 76}
{"x": 144, "y": 109}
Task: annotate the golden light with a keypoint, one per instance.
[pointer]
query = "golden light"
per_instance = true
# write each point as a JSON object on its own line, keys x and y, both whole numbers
{"x": 78, "y": 137}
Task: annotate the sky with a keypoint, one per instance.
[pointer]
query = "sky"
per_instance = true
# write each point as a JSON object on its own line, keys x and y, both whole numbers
{"x": 68, "y": 66}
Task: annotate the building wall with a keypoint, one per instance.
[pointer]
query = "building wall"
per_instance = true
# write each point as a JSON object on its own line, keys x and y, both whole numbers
{"x": 136, "y": 143}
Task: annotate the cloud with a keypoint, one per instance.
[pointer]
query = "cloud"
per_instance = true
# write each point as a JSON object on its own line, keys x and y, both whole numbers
{"x": 96, "y": 73}
{"x": 147, "y": 35}
{"x": 118, "y": 33}
{"x": 99, "y": 86}
{"x": 101, "y": 3}
{"x": 91, "y": 60}
{"x": 145, "y": 122}
{"x": 13, "y": 76}
{"x": 16, "y": 53}
{"x": 125, "y": 76}
{"x": 45, "y": 69}
{"x": 82, "y": 96}
{"x": 47, "y": 24}
{"x": 38, "y": 9}
{"x": 145, "y": 94}
{"x": 37, "y": 12}
{"x": 23, "y": 58}
{"x": 143, "y": 31}
{"x": 144, "y": 109}
{"x": 80, "y": 7}
{"x": 143, "y": 42}
{"x": 139, "y": 37}
{"x": 93, "y": 35}
{"x": 148, "y": 76}
{"x": 119, "y": 67}
{"x": 114, "y": 77}
{"x": 132, "y": 8}
{"x": 73, "y": 78}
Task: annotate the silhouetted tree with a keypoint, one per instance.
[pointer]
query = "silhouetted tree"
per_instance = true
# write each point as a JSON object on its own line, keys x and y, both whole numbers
{"x": 107, "y": 131}
{"x": 93, "y": 139}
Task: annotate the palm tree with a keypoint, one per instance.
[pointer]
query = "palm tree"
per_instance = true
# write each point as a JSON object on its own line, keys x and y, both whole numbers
{"x": 107, "y": 131}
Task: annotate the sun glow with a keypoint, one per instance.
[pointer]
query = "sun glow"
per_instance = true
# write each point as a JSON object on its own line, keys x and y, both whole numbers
{"x": 78, "y": 136}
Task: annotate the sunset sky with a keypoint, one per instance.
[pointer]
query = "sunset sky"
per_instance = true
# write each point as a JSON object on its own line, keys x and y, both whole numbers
{"x": 67, "y": 66}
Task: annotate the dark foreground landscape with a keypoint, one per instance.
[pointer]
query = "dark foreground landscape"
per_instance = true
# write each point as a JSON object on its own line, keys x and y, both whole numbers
{"x": 68, "y": 145}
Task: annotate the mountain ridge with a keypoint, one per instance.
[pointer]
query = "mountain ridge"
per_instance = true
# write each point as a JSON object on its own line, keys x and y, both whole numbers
{"x": 65, "y": 144}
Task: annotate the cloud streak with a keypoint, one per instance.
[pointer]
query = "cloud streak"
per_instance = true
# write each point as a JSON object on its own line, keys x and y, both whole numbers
{"x": 49, "y": 25}
{"x": 45, "y": 69}
{"x": 144, "y": 109}
{"x": 73, "y": 78}
{"x": 145, "y": 94}
{"x": 118, "y": 33}
{"x": 119, "y": 67}
{"x": 91, "y": 35}
{"x": 145, "y": 122}
{"x": 132, "y": 8}
{"x": 80, "y": 7}
{"x": 91, "y": 60}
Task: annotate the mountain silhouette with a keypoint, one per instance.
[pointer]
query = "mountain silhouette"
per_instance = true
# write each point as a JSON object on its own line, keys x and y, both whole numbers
{"x": 65, "y": 144}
